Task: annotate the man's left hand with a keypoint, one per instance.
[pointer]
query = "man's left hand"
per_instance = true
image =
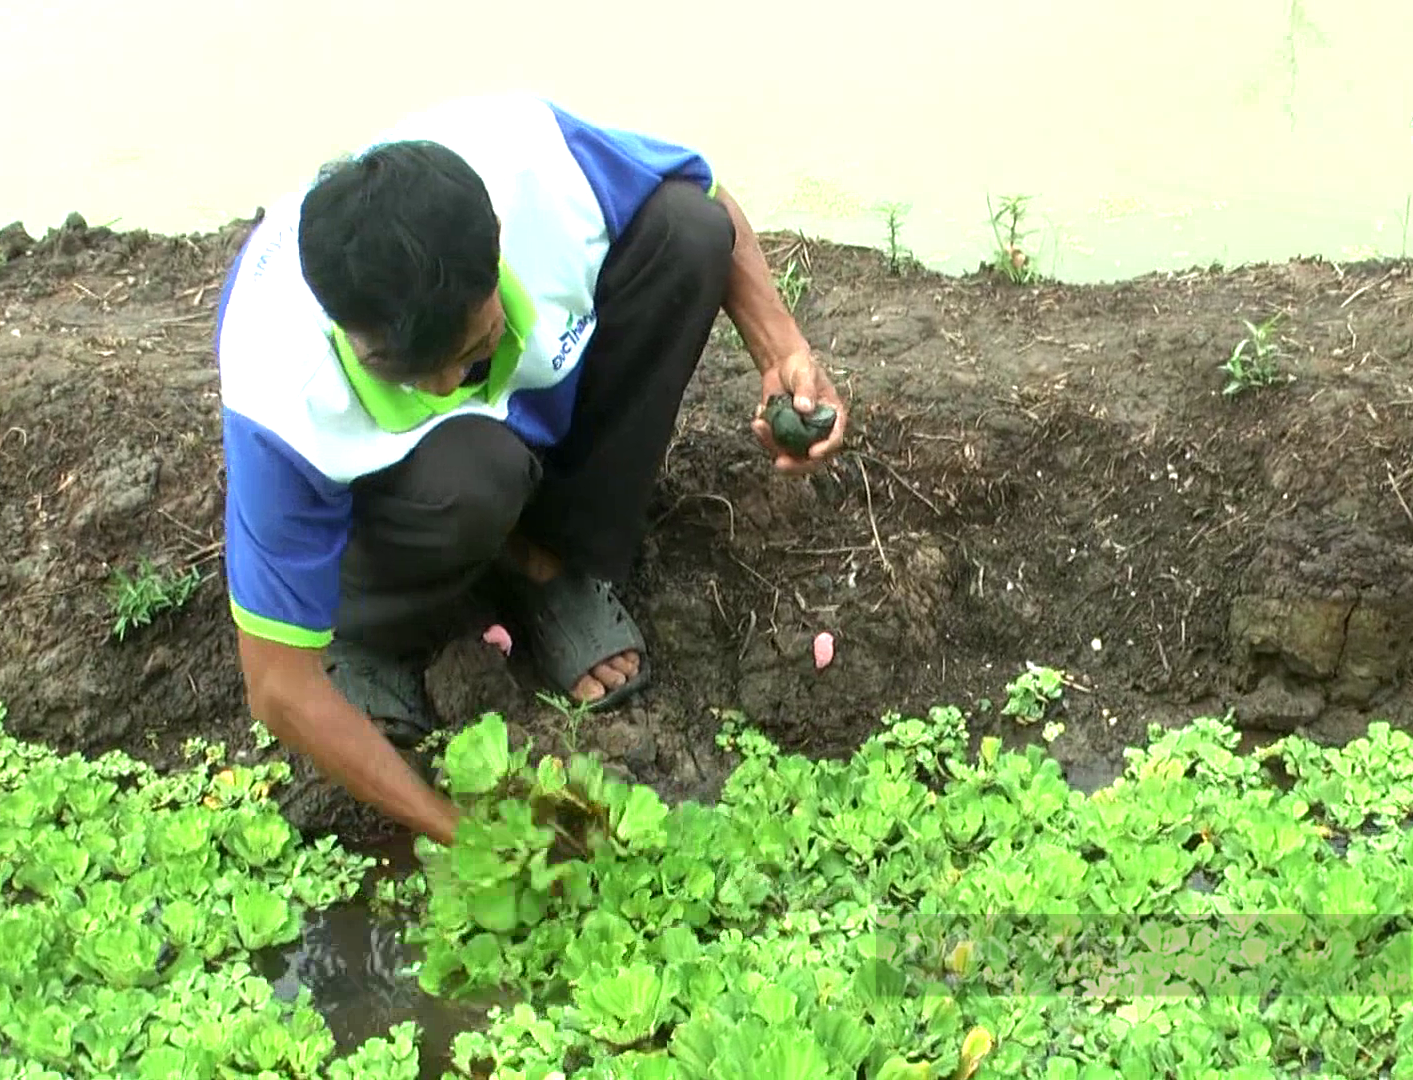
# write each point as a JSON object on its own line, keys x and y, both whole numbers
{"x": 802, "y": 377}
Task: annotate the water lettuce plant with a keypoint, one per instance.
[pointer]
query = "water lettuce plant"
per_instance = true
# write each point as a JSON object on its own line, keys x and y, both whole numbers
{"x": 916, "y": 912}
{"x": 131, "y": 907}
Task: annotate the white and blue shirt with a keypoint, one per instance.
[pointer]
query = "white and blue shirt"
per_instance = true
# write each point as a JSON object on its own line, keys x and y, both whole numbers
{"x": 302, "y": 419}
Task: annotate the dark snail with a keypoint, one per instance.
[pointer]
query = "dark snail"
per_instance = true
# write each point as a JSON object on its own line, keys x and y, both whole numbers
{"x": 794, "y": 432}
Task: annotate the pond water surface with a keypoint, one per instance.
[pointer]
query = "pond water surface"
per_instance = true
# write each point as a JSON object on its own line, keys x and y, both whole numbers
{"x": 1151, "y": 136}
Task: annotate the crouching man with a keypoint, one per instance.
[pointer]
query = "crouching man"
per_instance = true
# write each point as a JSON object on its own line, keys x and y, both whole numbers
{"x": 450, "y": 369}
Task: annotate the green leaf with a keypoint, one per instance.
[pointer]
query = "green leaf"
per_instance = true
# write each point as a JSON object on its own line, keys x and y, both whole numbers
{"x": 478, "y": 757}
{"x": 775, "y": 1005}
{"x": 678, "y": 945}
{"x": 794, "y": 1055}
{"x": 627, "y": 1007}
{"x": 184, "y": 922}
{"x": 187, "y": 831}
{"x": 263, "y": 917}
{"x": 85, "y": 800}
{"x": 496, "y": 909}
{"x": 45, "y": 1032}
{"x": 586, "y": 777}
{"x": 696, "y": 1044}
{"x": 26, "y": 934}
{"x": 124, "y": 952}
{"x": 550, "y": 775}
{"x": 636, "y": 815}
{"x": 880, "y": 986}
{"x": 900, "y": 1068}
{"x": 259, "y": 838}
{"x": 264, "y": 1047}
{"x": 845, "y": 1038}
{"x": 112, "y": 1029}
{"x": 54, "y": 863}
{"x": 393, "y": 1058}
{"x": 164, "y": 1063}
{"x": 34, "y": 804}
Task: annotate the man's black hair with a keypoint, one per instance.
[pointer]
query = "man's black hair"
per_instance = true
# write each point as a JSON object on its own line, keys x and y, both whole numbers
{"x": 398, "y": 245}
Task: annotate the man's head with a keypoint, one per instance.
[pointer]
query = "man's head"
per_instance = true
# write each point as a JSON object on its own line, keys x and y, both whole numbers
{"x": 401, "y": 247}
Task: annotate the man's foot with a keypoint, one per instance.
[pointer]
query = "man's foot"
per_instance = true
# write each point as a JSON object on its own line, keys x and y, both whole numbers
{"x": 584, "y": 641}
{"x": 606, "y": 678}
{"x": 390, "y": 691}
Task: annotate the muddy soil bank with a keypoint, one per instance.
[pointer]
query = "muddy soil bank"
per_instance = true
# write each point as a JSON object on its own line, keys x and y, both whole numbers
{"x": 1032, "y": 470}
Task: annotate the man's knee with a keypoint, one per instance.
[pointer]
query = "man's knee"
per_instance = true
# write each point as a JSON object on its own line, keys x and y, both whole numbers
{"x": 480, "y": 475}
{"x": 458, "y": 495}
{"x": 694, "y": 230}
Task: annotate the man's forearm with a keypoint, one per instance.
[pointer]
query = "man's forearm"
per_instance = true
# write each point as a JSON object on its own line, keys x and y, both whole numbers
{"x": 344, "y": 745}
{"x": 753, "y": 301}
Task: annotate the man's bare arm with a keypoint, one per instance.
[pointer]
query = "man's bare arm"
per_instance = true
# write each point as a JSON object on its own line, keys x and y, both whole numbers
{"x": 292, "y": 696}
{"x": 753, "y": 301}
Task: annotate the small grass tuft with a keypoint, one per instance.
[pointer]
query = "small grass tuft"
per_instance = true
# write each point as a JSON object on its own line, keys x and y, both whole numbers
{"x": 137, "y": 598}
{"x": 1255, "y": 361}
{"x": 792, "y": 283}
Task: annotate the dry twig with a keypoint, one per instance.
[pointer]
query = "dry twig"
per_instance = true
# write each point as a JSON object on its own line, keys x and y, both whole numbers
{"x": 1393, "y": 483}
{"x": 872, "y": 518}
{"x": 731, "y": 510}
{"x": 902, "y": 480}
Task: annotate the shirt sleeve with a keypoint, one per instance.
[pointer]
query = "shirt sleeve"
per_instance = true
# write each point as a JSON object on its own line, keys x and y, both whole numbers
{"x": 286, "y": 529}
{"x": 624, "y": 168}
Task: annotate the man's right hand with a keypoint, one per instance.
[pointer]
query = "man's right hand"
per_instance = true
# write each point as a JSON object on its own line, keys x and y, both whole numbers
{"x": 293, "y": 697}
{"x": 802, "y": 377}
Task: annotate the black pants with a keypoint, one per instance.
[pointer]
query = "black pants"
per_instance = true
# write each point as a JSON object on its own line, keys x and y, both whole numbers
{"x": 426, "y": 529}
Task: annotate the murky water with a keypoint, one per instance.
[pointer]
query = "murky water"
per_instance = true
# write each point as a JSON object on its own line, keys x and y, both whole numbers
{"x": 355, "y": 965}
{"x": 1151, "y": 136}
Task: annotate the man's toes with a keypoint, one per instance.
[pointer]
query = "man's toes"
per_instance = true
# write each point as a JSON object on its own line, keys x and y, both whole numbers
{"x": 588, "y": 688}
{"x": 626, "y": 663}
{"x": 610, "y": 676}
{"x": 607, "y": 677}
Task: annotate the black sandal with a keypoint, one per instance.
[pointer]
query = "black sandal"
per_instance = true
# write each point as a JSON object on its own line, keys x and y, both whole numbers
{"x": 393, "y": 693}
{"x": 574, "y": 624}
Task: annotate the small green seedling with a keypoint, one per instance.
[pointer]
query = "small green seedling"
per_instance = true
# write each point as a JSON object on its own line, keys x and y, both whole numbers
{"x": 1255, "y": 361}
{"x": 1012, "y": 259}
{"x": 930, "y": 742}
{"x": 899, "y": 257}
{"x": 1030, "y": 696}
{"x": 792, "y": 283}
{"x": 138, "y": 598}
{"x": 573, "y": 716}
{"x": 736, "y": 735}
{"x": 794, "y": 432}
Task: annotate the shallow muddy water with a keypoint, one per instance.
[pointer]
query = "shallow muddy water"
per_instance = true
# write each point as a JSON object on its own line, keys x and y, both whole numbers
{"x": 354, "y": 964}
{"x": 1151, "y": 137}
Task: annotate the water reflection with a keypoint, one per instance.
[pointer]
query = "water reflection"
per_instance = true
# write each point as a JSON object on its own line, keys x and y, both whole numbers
{"x": 354, "y": 963}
